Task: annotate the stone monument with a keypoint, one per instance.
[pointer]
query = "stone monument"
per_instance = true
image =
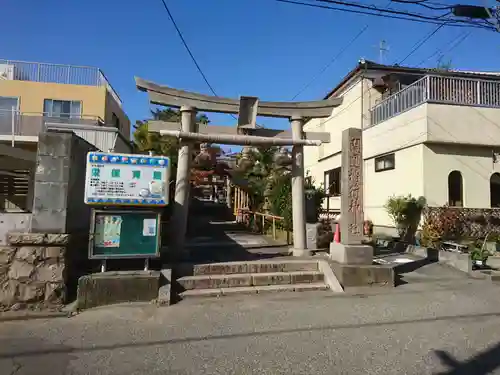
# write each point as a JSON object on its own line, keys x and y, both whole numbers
{"x": 351, "y": 250}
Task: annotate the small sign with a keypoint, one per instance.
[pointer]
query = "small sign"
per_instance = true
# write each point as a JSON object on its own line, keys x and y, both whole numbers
{"x": 107, "y": 231}
{"x": 149, "y": 227}
{"x": 126, "y": 179}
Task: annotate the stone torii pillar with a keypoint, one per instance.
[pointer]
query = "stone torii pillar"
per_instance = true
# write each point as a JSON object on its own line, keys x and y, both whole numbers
{"x": 182, "y": 187}
{"x": 298, "y": 192}
{"x": 245, "y": 133}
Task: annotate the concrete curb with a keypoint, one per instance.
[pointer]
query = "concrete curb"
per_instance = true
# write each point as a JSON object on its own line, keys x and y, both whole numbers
{"x": 329, "y": 276}
{"x": 10, "y": 316}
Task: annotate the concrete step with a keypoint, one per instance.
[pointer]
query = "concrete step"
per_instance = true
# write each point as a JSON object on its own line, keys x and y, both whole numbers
{"x": 220, "y": 292}
{"x": 249, "y": 279}
{"x": 247, "y": 267}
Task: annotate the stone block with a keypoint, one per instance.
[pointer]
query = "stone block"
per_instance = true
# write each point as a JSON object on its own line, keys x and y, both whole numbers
{"x": 21, "y": 271}
{"x": 26, "y": 238}
{"x": 229, "y": 281}
{"x": 54, "y": 144}
{"x": 50, "y": 196}
{"x": 351, "y": 254}
{"x": 31, "y": 292}
{"x": 8, "y": 292}
{"x": 312, "y": 233}
{"x": 56, "y": 239}
{"x": 306, "y": 277}
{"x": 55, "y": 292}
{"x": 278, "y": 278}
{"x": 238, "y": 290}
{"x": 52, "y": 169}
{"x": 7, "y": 254}
{"x": 29, "y": 254}
{"x": 300, "y": 266}
{"x": 50, "y": 273}
{"x": 196, "y": 282}
{"x": 265, "y": 267}
{"x": 54, "y": 252}
{"x": 48, "y": 221}
{"x": 165, "y": 292}
{"x": 116, "y": 287}
{"x": 363, "y": 275}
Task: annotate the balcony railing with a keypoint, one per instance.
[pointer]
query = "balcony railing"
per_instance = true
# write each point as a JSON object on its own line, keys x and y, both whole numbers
{"x": 57, "y": 73}
{"x": 30, "y": 124}
{"x": 90, "y": 128}
{"x": 436, "y": 89}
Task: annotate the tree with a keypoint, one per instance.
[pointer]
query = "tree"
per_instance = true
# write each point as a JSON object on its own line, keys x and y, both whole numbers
{"x": 161, "y": 144}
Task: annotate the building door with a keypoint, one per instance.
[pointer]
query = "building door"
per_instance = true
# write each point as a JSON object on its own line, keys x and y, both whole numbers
{"x": 9, "y": 114}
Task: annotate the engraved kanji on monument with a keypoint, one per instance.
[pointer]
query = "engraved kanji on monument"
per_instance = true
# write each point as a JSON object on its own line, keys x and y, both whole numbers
{"x": 351, "y": 223}
{"x": 351, "y": 250}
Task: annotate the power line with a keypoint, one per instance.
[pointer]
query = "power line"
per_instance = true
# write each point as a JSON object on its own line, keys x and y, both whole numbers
{"x": 189, "y": 51}
{"x": 331, "y": 62}
{"x": 187, "y": 48}
{"x": 454, "y": 44}
{"x": 361, "y": 32}
{"x": 434, "y": 21}
{"x": 424, "y": 4}
{"x": 422, "y": 42}
{"x": 390, "y": 11}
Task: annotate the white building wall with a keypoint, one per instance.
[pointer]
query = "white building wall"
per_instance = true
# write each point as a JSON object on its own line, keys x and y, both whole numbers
{"x": 476, "y": 165}
{"x": 406, "y": 178}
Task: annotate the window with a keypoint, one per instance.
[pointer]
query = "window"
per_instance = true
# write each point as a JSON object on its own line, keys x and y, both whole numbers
{"x": 62, "y": 108}
{"x": 455, "y": 189}
{"x": 495, "y": 190}
{"x": 332, "y": 181}
{"x": 8, "y": 113}
{"x": 385, "y": 163}
{"x": 8, "y": 104}
{"x": 116, "y": 121}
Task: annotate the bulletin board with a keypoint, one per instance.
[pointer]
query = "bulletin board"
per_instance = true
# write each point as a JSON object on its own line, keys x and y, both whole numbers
{"x": 124, "y": 234}
{"x": 126, "y": 180}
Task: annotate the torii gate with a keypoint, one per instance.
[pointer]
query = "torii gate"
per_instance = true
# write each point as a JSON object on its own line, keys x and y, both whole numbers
{"x": 245, "y": 133}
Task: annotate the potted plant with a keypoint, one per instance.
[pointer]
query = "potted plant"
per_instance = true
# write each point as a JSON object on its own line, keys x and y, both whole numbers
{"x": 479, "y": 256}
{"x": 405, "y": 212}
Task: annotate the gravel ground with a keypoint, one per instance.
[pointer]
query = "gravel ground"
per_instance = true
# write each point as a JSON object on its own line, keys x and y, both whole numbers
{"x": 432, "y": 325}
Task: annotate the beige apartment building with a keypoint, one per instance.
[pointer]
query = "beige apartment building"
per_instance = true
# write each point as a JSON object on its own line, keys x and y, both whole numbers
{"x": 37, "y": 97}
{"x": 34, "y": 96}
{"x": 426, "y": 132}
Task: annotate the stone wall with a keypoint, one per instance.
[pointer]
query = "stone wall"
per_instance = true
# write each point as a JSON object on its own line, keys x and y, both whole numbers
{"x": 58, "y": 205}
{"x": 33, "y": 271}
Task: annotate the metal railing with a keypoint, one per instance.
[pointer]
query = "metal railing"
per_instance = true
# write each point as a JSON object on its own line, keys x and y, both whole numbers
{"x": 441, "y": 90}
{"x": 58, "y": 73}
{"x": 30, "y": 124}
{"x": 90, "y": 128}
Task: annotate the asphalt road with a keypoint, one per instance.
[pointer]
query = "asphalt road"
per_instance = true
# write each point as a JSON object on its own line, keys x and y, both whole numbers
{"x": 432, "y": 325}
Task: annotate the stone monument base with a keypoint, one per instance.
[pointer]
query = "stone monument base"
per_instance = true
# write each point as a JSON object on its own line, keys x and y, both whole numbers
{"x": 300, "y": 252}
{"x": 351, "y": 254}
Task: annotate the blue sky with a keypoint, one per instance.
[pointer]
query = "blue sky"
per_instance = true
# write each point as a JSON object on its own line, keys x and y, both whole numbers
{"x": 245, "y": 47}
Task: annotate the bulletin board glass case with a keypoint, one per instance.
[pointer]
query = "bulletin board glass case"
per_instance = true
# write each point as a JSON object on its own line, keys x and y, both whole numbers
{"x": 124, "y": 234}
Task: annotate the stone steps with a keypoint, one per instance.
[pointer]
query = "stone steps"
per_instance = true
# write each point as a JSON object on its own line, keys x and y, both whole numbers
{"x": 249, "y": 279}
{"x": 252, "y": 277}
{"x": 220, "y": 292}
{"x": 248, "y": 267}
